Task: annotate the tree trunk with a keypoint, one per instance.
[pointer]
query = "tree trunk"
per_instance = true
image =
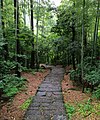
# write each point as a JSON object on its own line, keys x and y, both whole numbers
{"x": 82, "y": 45}
{"x": 6, "y": 54}
{"x": 96, "y": 32}
{"x": 24, "y": 12}
{"x": 16, "y": 17}
{"x": 85, "y": 28}
{"x": 37, "y": 24}
{"x": 85, "y": 38}
{"x": 32, "y": 28}
{"x": 0, "y": 22}
{"x": 73, "y": 39}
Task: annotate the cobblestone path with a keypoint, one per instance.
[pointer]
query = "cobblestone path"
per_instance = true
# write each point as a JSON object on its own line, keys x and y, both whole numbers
{"x": 48, "y": 102}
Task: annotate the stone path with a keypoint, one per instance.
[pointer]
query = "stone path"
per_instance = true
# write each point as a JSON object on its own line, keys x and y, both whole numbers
{"x": 48, "y": 102}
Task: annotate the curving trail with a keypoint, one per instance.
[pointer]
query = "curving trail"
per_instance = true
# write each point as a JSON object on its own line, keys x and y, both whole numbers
{"x": 48, "y": 102}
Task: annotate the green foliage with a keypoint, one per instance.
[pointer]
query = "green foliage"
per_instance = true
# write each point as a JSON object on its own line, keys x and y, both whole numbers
{"x": 10, "y": 91}
{"x": 11, "y": 85}
{"x": 26, "y": 104}
{"x": 33, "y": 72}
{"x": 70, "y": 110}
{"x": 72, "y": 74}
{"x": 86, "y": 108}
{"x": 91, "y": 73}
{"x": 25, "y": 69}
{"x": 96, "y": 94}
{"x": 41, "y": 70}
{"x": 6, "y": 67}
{"x": 75, "y": 74}
{"x": 90, "y": 65}
{"x": 83, "y": 109}
{"x": 93, "y": 77}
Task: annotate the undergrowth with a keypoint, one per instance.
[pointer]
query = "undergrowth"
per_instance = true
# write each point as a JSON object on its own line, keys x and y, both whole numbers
{"x": 26, "y": 104}
{"x": 11, "y": 85}
{"x": 33, "y": 71}
{"x": 70, "y": 110}
{"x": 96, "y": 94}
{"x": 83, "y": 109}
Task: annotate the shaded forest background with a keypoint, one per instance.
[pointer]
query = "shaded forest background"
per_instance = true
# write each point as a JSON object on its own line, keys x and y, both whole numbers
{"x": 34, "y": 32}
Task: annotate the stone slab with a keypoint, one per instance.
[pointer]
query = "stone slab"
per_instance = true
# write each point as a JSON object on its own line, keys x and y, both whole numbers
{"x": 48, "y": 102}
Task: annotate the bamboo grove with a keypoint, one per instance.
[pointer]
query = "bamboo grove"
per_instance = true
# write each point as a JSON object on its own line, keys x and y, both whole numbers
{"x": 36, "y": 31}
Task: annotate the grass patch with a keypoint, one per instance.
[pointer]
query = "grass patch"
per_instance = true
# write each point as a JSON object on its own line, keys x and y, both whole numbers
{"x": 70, "y": 110}
{"x": 26, "y": 104}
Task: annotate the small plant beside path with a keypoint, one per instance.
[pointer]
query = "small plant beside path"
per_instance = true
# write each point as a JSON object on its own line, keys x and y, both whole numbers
{"x": 79, "y": 106}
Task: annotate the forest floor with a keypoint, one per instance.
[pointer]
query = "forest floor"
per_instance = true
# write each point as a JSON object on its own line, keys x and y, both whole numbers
{"x": 12, "y": 111}
{"x": 82, "y": 105}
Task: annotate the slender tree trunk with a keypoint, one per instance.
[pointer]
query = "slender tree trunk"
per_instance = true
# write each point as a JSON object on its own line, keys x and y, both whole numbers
{"x": 85, "y": 38}
{"x": 73, "y": 54}
{"x": 82, "y": 45}
{"x": 6, "y": 54}
{"x": 0, "y": 22}
{"x": 16, "y": 17}
{"x": 96, "y": 32}
{"x": 73, "y": 39}
{"x": 32, "y": 28}
{"x": 37, "y": 24}
{"x": 68, "y": 59}
{"x": 85, "y": 28}
{"x": 24, "y": 17}
{"x": 24, "y": 12}
{"x": 1, "y": 35}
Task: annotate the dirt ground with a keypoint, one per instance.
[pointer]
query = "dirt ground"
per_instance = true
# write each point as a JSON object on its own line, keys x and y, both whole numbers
{"x": 74, "y": 95}
{"x": 12, "y": 110}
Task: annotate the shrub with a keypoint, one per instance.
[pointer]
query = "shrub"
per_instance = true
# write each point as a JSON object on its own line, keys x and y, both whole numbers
{"x": 92, "y": 77}
{"x": 96, "y": 94}
{"x": 11, "y": 85}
